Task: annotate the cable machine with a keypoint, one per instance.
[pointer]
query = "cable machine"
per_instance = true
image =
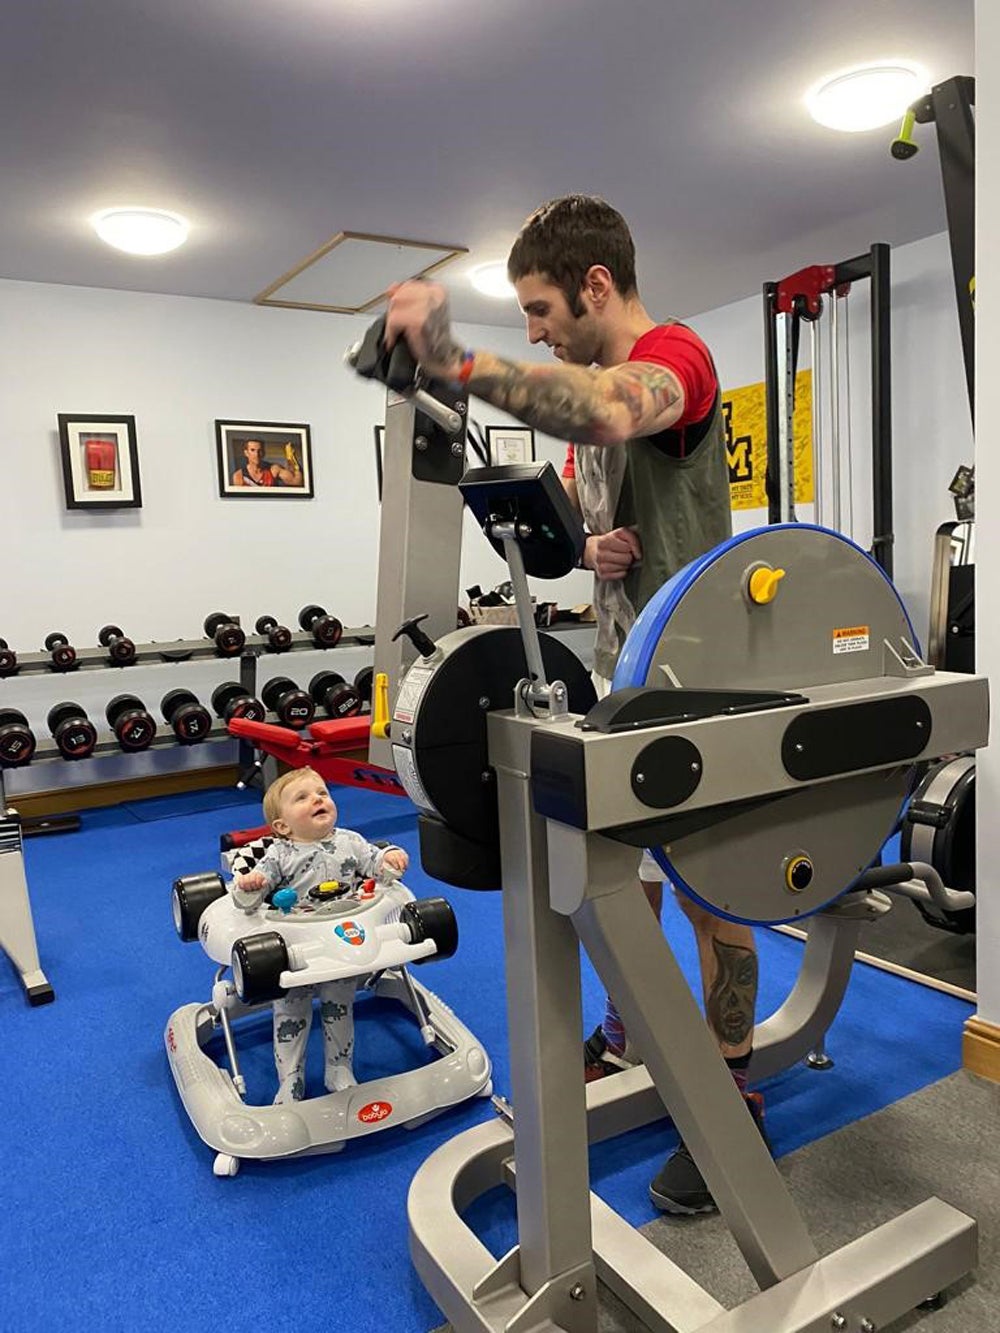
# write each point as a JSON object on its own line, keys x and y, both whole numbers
{"x": 805, "y": 297}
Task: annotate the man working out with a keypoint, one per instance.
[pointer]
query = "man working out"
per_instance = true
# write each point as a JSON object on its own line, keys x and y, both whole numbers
{"x": 647, "y": 472}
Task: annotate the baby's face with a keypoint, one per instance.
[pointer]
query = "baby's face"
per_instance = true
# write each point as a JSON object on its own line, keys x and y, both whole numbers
{"x": 306, "y": 810}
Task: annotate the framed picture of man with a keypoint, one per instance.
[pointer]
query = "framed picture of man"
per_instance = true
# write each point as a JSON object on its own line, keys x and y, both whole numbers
{"x": 267, "y": 459}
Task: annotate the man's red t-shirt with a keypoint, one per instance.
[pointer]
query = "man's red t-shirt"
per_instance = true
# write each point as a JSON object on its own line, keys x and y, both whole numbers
{"x": 682, "y": 351}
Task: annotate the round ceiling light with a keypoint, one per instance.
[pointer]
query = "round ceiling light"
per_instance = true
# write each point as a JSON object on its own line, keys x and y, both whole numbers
{"x": 491, "y": 280}
{"x": 140, "y": 231}
{"x": 868, "y": 96}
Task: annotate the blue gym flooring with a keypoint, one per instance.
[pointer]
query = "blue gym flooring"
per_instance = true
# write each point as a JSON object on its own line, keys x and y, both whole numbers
{"x": 111, "y": 1215}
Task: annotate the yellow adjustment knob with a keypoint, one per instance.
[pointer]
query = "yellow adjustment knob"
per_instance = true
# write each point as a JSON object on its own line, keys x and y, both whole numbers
{"x": 380, "y": 707}
{"x": 798, "y": 874}
{"x": 763, "y": 586}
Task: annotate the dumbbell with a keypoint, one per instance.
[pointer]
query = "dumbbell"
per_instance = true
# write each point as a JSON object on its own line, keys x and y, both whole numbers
{"x": 334, "y": 695}
{"x": 74, "y": 733}
{"x": 279, "y": 637}
{"x": 17, "y": 740}
{"x": 325, "y": 630}
{"x": 225, "y": 631}
{"x": 363, "y": 683}
{"x": 121, "y": 650}
{"x": 231, "y": 699}
{"x": 8, "y": 660}
{"x": 133, "y": 726}
{"x": 63, "y": 655}
{"x": 189, "y": 719}
{"x": 293, "y": 706}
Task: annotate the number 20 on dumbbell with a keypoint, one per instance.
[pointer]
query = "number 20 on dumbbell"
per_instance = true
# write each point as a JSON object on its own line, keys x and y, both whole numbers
{"x": 294, "y": 707}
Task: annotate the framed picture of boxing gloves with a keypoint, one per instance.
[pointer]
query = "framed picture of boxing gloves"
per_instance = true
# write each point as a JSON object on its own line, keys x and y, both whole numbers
{"x": 267, "y": 459}
{"x": 100, "y": 461}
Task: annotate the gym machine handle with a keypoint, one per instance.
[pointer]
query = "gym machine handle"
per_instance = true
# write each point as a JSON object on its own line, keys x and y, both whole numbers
{"x": 373, "y": 361}
{"x": 424, "y": 645}
{"x": 928, "y": 813}
{"x": 397, "y": 370}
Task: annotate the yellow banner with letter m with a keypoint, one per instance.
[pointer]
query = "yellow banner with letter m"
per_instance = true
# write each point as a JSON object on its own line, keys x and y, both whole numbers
{"x": 745, "y": 416}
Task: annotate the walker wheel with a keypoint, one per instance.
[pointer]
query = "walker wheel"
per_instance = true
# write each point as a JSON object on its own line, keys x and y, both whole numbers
{"x": 258, "y": 962}
{"x": 190, "y": 895}
{"x": 224, "y": 1165}
{"x": 431, "y": 919}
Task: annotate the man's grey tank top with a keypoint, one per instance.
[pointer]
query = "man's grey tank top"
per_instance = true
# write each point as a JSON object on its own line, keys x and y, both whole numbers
{"x": 679, "y": 506}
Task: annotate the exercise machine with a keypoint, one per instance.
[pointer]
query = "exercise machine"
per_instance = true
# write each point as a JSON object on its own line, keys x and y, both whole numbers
{"x": 422, "y": 506}
{"x": 562, "y": 795}
{"x": 766, "y": 765}
{"x": 941, "y": 825}
{"x": 17, "y": 927}
{"x": 948, "y": 106}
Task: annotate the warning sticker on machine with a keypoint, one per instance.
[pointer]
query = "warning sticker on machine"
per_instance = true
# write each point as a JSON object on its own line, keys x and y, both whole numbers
{"x": 406, "y": 768}
{"x": 408, "y": 696}
{"x": 853, "y": 639}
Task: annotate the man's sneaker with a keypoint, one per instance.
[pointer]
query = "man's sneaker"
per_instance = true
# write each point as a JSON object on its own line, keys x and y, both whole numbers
{"x": 680, "y": 1187}
{"x": 599, "y": 1059}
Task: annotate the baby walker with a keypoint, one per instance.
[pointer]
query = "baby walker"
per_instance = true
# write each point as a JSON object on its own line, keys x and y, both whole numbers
{"x": 371, "y": 930}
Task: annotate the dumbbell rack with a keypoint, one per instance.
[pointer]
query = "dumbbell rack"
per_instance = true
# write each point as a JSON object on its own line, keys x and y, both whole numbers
{"x": 255, "y": 648}
{"x": 17, "y": 935}
{"x": 187, "y": 650}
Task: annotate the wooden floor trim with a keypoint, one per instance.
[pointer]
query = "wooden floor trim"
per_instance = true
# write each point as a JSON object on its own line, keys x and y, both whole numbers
{"x": 981, "y": 1049}
{"x": 66, "y": 800}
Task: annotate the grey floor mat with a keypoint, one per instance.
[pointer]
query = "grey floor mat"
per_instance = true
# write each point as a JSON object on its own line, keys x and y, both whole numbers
{"x": 903, "y": 936}
{"x": 943, "y": 1140}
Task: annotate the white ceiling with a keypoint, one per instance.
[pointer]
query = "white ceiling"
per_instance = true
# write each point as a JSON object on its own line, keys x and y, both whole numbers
{"x": 273, "y": 124}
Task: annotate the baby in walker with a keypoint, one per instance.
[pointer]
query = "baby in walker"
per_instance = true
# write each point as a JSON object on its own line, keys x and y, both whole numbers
{"x": 309, "y": 849}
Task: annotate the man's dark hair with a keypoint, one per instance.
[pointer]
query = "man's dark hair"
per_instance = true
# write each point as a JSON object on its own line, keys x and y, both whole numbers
{"x": 565, "y": 237}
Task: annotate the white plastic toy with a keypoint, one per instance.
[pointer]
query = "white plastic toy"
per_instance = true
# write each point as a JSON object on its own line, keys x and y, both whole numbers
{"x": 372, "y": 931}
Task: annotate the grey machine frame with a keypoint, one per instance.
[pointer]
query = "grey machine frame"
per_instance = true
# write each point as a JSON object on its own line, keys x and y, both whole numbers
{"x": 563, "y": 886}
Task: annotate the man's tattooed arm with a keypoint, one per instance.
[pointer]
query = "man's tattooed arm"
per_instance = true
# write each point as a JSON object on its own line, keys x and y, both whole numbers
{"x": 587, "y": 405}
{"x": 436, "y": 332}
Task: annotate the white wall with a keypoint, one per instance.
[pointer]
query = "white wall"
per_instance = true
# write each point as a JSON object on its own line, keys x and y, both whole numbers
{"x": 988, "y": 494}
{"x": 177, "y": 364}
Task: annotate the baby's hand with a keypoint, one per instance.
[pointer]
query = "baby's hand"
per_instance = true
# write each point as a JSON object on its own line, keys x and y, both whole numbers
{"x": 248, "y": 890}
{"x": 396, "y": 860}
{"x": 251, "y": 881}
